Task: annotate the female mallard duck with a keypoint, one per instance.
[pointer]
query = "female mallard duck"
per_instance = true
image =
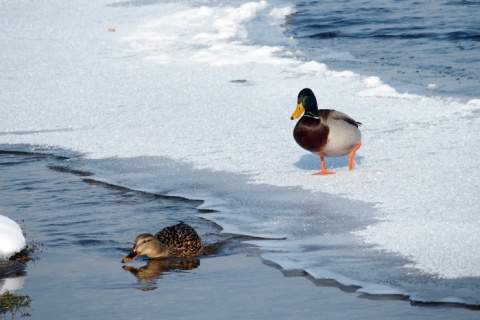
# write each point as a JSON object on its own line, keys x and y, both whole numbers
{"x": 326, "y": 133}
{"x": 178, "y": 241}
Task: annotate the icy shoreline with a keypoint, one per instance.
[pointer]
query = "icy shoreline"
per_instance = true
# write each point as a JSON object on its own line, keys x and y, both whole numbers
{"x": 190, "y": 84}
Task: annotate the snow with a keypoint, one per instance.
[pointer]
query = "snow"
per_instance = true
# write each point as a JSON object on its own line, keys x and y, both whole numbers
{"x": 210, "y": 88}
{"x": 11, "y": 237}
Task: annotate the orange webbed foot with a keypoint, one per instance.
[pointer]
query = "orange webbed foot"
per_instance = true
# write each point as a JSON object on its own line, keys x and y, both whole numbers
{"x": 324, "y": 169}
{"x": 351, "y": 164}
{"x": 323, "y": 172}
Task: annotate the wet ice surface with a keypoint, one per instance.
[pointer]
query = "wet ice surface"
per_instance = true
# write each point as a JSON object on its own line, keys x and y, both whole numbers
{"x": 321, "y": 227}
{"x": 87, "y": 227}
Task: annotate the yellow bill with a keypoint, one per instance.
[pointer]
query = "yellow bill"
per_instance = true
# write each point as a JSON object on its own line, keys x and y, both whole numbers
{"x": 298, "y": 112}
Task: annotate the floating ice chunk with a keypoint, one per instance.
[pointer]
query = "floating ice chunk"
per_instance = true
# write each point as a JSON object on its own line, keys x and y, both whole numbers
{"x": 432, "y": 87}
{"x": 11, "y": 237}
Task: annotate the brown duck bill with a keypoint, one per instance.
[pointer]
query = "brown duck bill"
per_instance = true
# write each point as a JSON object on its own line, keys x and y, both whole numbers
{"x": 132, "y": 255}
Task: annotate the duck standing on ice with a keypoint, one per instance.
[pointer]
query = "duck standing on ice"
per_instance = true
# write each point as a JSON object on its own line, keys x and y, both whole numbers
{"x": 324, "y": 132}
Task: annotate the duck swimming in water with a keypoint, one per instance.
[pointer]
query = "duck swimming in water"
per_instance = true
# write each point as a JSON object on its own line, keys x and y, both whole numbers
{"x": 324, "y": 132}
{"x": 178, "y": 241}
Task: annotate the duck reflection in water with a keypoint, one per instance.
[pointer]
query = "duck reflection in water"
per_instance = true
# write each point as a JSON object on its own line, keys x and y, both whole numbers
{"x": 155, "y": 268}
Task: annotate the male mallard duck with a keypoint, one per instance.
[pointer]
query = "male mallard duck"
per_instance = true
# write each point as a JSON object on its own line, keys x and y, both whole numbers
{"x": 327, "y": 133}
{"x": 179, "y": 241}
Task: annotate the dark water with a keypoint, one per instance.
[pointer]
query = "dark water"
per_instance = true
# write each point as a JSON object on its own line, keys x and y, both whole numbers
{"x": 409, "y": 44}
{"x": 84, "y": 228}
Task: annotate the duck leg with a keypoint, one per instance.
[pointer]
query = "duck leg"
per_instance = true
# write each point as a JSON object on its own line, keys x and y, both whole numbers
{"x": 324, "y": 169}
{"x": 351, "y": 164}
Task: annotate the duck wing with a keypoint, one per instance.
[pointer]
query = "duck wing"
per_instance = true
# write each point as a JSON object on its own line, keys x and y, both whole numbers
{"x": 181, "y": 239}
{"x": 337, "y": 115}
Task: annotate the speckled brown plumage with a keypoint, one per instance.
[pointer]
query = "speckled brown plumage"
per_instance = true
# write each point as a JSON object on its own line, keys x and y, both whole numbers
{"x": 182, "y": 240}
{"x": 178, "y": 241}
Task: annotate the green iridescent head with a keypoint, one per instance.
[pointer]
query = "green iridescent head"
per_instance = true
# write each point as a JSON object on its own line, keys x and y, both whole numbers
{"x": 307, "y": 103}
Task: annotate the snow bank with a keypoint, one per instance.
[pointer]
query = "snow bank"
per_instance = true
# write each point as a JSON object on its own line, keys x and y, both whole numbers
{"x": 11, "y": 237}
